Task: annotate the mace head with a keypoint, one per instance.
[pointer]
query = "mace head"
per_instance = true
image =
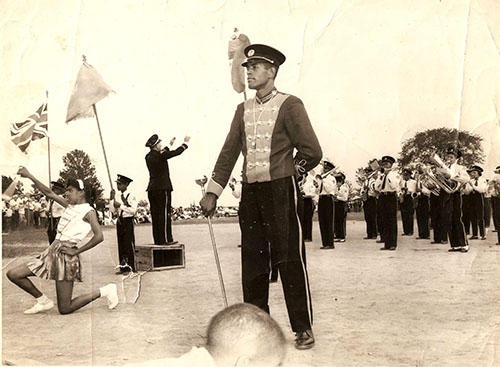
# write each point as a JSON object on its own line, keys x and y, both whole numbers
{"x": 201, "y": 181}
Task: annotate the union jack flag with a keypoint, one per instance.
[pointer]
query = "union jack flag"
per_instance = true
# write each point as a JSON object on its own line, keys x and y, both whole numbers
{"x": 33, "y": 128}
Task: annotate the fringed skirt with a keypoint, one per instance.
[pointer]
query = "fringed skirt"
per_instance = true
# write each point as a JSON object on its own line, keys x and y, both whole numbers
{"x": 51, "y": 264}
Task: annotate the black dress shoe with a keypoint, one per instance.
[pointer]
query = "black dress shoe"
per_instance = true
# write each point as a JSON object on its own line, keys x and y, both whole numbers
{"x": 170, "y": 243}
{"x": 473, "y": 238}
{"x": 307, "y": 240}
{"x": 423, "y": 238}
{"x": 304, "y": 340}
{"x": 327, "y": 247}
{"x": 384, "y": 249}
{"x": 380, "y": 241}
{"x": 273, "y": 280}
{"x": 392, "y": 248}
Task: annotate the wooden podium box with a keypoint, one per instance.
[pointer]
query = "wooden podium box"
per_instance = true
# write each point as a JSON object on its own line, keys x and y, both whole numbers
{"x": 153, "y": 257}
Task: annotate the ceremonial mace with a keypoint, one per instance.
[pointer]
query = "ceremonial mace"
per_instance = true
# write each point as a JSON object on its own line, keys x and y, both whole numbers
{"x": 202, "y": 182}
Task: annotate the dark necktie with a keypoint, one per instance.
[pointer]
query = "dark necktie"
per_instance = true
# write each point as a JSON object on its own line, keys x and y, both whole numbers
{"x": 384, "y": 182}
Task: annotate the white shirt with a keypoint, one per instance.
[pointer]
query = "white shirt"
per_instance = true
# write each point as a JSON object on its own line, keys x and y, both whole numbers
{"x": 479, "y": 184}
{"x": 409, "y": 186}
{"x": 458, "y": 173}
{"x": 342, "y": 192}
{"x": 308, "y": 187}
{"x": 126, "y": 211}
{"x": 57, "y": 210}
{"x": 328, "y": 186}
{"x": 371, "y": 187}
{"x": 391, "y": 182}
{"x": 237, "y": 191}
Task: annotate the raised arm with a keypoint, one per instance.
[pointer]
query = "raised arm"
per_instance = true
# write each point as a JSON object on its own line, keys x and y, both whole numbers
{"x": 23, "y": 172}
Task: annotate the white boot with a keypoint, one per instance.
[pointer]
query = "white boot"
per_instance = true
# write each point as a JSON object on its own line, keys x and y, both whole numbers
{"x": 42, "y": 304}
{"x": 111, "y": 294}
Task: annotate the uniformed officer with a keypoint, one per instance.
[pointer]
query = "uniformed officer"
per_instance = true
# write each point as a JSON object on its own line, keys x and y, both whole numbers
{"x": 370, "y": 204}
{"x": 326, "y": 204}
{"x": 125, "y": 205}
{"x": 479, "y": 187}
{"x": 387, "y": 185}
{"x": 341, "y": 197}
{"x": 267, "y": 129}
{"x": 160, "y": 188}
{"x": 407, "y": 190}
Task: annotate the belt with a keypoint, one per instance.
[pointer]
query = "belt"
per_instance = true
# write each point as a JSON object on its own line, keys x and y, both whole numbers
{"x": 388, "y": 193}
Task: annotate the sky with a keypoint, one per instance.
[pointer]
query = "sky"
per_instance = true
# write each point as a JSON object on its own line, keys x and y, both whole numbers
{"x": 370, "y": 74}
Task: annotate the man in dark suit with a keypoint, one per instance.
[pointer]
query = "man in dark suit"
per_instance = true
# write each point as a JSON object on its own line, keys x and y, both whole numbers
{"x": 160, "y": 188}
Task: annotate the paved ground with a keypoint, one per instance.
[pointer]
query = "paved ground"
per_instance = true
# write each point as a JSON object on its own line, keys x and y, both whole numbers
{"x": 417, "y": 306}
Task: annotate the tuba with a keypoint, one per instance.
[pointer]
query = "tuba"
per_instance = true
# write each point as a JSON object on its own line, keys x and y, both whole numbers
{"x": 449, "y": 186}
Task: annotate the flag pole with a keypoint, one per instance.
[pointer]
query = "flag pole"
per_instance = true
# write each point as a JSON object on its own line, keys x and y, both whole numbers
{"x": 102, "y": 143}
{"x": 48, "y": 136}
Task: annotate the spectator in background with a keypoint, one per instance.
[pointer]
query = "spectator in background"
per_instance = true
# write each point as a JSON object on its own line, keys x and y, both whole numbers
{"x": 43, "y": 212}
{"x": 14, "y": 206}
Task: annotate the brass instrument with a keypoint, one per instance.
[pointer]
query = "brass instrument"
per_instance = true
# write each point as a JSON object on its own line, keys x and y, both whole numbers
{"x": 449, "y": 186}
{"x": 429, "y": 180}
{"x": 329, "y": 172}
{"x": 494, "y": 187}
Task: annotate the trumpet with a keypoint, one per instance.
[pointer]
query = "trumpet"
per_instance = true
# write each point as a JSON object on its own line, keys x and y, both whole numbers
{"x": 329, "y": 172}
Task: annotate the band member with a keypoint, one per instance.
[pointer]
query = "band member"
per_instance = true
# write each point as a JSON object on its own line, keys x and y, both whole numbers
{"x": 267, "y": 129}
{"x": 309, "y": 198}
{"x": 450, "y": 214}
{"x": 467, "y": 210}
{"x": 387, "y": 185}
{"x": 494, "y": 187}
{"x": 160, "y": 188}
{"x": 479, "y": 187}
{"x": 326, "y": 208}
{"x": 487, "y": 208}
{"x": 407, "y": 192}
{"x": 370, "y": 204}
{"x": 341, "y": 197}
{"x": 55, "y": 211}
{"x": 422, "y": 210}
{"x": 125, "y": 205}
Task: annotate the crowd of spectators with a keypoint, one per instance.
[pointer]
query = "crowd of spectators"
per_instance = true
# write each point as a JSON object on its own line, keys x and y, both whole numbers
{"x": 26, "y": 210}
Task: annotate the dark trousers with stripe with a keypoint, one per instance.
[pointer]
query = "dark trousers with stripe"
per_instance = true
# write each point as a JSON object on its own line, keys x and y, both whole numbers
{"x": 495, "y": 204}
{"x": 160, "y": 202}
{"x": 370, "y": 211}
{"x": 434, "y": 214}
{"x": 388, "y": 211}
{"x": 340, "y": 219}
{"x": 487, "y": 211}
{"x": 380, "y": 222}
{"x": 326, "y": 213}
{"x": 269, "y": 217}
{"x": 126, "y": 242}
{"x": 308, "y": 218}
{"x": 450, "y": 219}
{"x": 477, "y": 211}
{"x": 423, "y": 216}
{"x": 407, "y": 214}
{"x": 467, "y": 212}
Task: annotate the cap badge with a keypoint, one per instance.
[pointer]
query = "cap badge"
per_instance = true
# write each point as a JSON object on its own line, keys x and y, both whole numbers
{"x": 251, "y": 52}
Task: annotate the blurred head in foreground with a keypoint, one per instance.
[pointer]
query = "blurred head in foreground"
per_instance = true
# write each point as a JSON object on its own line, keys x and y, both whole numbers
{"x": 244, "y": 335}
